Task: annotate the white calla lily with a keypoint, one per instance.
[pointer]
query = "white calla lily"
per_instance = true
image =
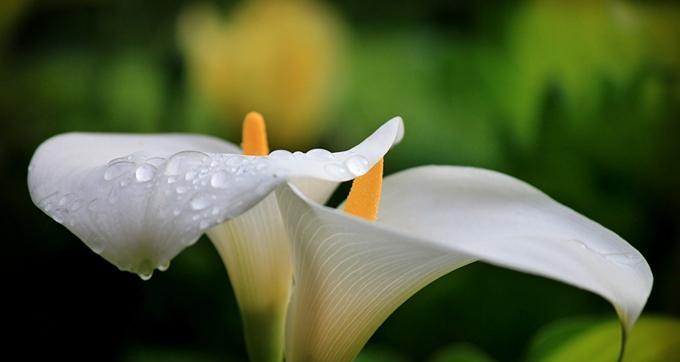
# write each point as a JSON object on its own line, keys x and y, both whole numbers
{"x": 350, "y": 274}
{"x": 139, "y": 200}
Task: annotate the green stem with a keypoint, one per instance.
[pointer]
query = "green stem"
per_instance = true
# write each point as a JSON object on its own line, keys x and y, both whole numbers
{"x": 264, "y": 334}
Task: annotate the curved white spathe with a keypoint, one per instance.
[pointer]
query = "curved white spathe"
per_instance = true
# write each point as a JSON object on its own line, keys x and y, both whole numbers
{"x": 350, "y": 275}
{"x": 139, "y": 200}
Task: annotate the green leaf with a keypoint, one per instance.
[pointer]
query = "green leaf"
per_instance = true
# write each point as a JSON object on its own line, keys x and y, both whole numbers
{"x": 652, "y": 339}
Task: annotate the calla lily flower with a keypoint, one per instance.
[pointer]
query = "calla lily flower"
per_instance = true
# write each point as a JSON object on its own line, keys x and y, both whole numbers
{"x": 353, "y": 268}
{"x": 333, "y": 275}
{"x": 139, "y": 200}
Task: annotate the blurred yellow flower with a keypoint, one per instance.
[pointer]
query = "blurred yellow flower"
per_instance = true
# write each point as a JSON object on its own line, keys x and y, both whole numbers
{"x": 280, "y": 57}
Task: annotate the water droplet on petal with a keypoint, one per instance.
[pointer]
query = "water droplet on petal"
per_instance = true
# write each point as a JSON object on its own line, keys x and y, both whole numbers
{"x": 190, "y": 175}
{"x": 182, "y": 189}
{"x": 234, "y": 161}
{"x": 116, "y": 169}
{"x": 337, "y": 171}
{"x": 145, "y": 173}
{"x": 58, "y": 216}
{"x": 624, "y": 258}
{"x": 164, "y": 266}
{"x": 219, "y": 180}
{"x": 321, "y": 154}
{"x": 357, "y": 165}
{"x": 184, "y": 161}
{"x": 200, "y": 202}
{"x": 145, "y": 277}
{"x": 92, "y": 206}
{"x": 281, "y": 155}
{"x": 155, "y": 161}
{"x": 97, "y": 246}
{"x": 75, "y": 206}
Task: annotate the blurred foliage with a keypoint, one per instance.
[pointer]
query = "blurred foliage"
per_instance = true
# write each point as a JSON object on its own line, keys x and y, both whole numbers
{"x": 460, "y": 353}
{"x": 654, "y": 339}
{"x": 579, "y": 98}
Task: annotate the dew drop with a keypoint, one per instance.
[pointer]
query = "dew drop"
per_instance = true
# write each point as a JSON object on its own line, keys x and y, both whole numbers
{"x": 164, "y": 266}
{"x": 203, "y": 224}
{"x": 321, "y": 154}
{"x": 624, "y": 258}
{"x": 124, "y": 182}
{"x": 190, "y": 175}
{"x": 234, "y": 161}
{"x": 581, "y": 244}
{"x": 96, "y": 245}
{"x": 75, "y": 206}
{"x": 357, "y": 165}
{"x": 145, "y": 173}
{"x": 219, "y": 180}
{"x": 337, "y": 171}
{"x": 115, "y": 169}
{"x": 92, "y": 206}
{"x": 185, "y": 161}
{"x": 182, "y": 189}
{"x": 281, "y": 155}
{"x": 145, "y": 277}
{"x": 155, "y": 161}
{"x": 200, "y": 202}
{"x": 58, "y": 216}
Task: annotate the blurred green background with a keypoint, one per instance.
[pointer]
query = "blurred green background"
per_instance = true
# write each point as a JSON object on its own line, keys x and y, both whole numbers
{"x": 579, "y": 98}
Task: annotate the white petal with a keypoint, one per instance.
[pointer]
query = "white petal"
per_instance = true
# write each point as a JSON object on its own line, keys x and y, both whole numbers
{"x": 350, "y": 275}
{"x": 315, "y": 189}
{"x": 138, "y": 200}
{"x": 504, "y": 221}
{"x": 255, "y": 249}
{"x": 341, "y": 166}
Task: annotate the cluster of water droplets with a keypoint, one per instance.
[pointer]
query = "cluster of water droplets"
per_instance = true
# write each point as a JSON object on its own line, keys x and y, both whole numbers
{"x": 210, "y": 188}
{"x": 336, "y": 167}
{"x": 61, "y": 206}
{"x": 184, "y": 193}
